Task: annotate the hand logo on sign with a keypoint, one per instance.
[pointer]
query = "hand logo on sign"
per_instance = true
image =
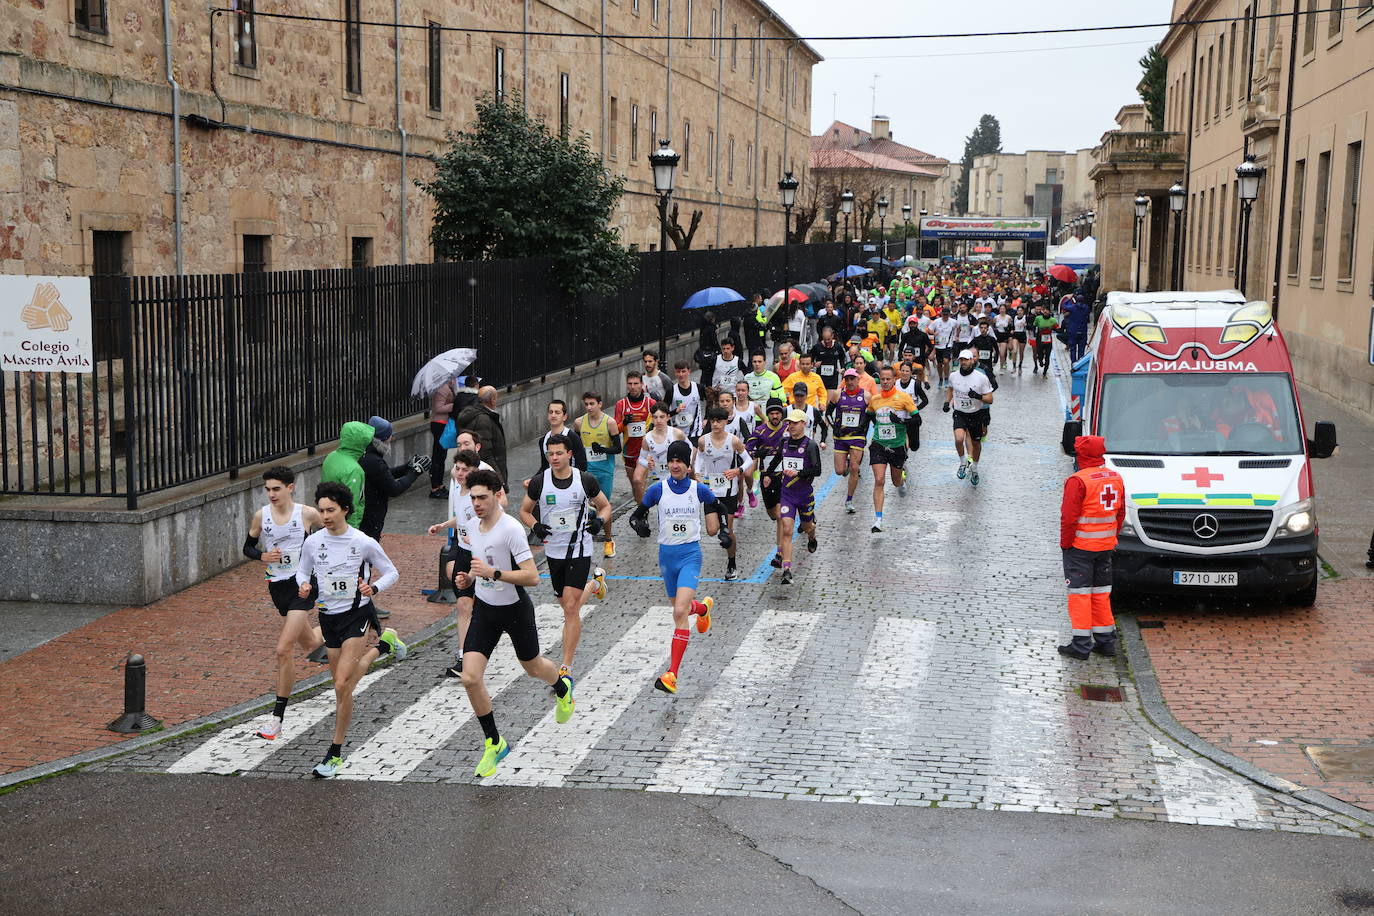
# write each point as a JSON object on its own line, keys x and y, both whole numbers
{"x": 46, "y": 310}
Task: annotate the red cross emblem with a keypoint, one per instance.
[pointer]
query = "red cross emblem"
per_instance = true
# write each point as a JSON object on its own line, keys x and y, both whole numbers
{"x": 1108, "y": 497}
{"x": 1203, "y": 477}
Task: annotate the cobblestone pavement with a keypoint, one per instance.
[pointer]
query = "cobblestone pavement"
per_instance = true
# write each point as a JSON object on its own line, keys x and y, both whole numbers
{"x": 912, "y": 667}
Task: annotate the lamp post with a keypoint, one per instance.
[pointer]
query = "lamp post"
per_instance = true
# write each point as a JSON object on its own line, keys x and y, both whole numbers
{"x": 1178, "y": 198}
{"x": 846, "y": 207}
{"x": 1248, "y": 177}
{"x": 906, "y": 228}
{"x": 1142, "y": 206}
{"x": 882, "y": 228}
{"x": 664, "y": 163}
{"x": 787, "y": 187}
{"x": 919, "y": 253}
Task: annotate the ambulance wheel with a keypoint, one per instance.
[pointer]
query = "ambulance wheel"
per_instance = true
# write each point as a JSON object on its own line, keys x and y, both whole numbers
{"x": 1307, "y": 597}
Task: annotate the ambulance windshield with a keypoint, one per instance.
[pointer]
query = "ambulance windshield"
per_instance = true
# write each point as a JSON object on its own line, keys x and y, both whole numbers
{"x": 1200, "y": 413}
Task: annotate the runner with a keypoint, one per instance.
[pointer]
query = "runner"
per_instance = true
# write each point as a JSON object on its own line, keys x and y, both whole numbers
{"x": 655, "y": 383}
{"x": 460, "y": 516}
{"x": 571, "y": 507}
{"x": 888, "y": 412}
{"x": 722, "y": 463}
{"x": 849, "y": 419}
{"x": 1018, "y": 338}
{"x": 600, "y": 437}
{"x": 1044, "y": 326}
{"x": 1001, "y": 326}
{"x": 502, "y": 568}
{"x": 653, "y": 457}
{"x": 686, "y": 401}
{"x": 763, "y": 382}
{"x": 798, "y": 465}
{"x": 282, "y": 525}
{"x": 632, "y": 414}
{"x": 816, "y": 427}
{"x": 337, "y": 564}
{"x": 744, "y": 416}
{"x": 557, "y": 417}
{"x": 816, "y": 392}
{"x": 907, "y": 382}
{"x": 765, "y": 445}
{"x": 969, "y": 392}
{"x": 828, "y": 357}
{"x": 680, "y": 501}
{"x": 985, "y": 345}
{"x": 944, "y": 329}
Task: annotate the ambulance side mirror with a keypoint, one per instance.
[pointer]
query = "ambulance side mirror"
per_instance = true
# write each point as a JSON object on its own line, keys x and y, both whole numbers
{"x": 1072, "y": 430}
{"x": 1323, "y": 442}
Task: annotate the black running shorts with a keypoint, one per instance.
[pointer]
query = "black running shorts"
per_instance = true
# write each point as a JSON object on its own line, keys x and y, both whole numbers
{"x": 572, "y": 573}
{"x": 286, "y": 595}
{"x": 350, "y": 624}
{"x": 490, "y": 621}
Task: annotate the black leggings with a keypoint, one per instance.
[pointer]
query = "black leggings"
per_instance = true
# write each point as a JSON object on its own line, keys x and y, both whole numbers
{"x": 438, "y": 456}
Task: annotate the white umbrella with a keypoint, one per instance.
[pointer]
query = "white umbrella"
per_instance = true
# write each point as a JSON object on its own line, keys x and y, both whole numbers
{"x": 440, "y": 369}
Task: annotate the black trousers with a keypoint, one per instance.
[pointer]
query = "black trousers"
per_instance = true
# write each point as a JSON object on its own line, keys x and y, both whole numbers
{"x": 438, "y": 456}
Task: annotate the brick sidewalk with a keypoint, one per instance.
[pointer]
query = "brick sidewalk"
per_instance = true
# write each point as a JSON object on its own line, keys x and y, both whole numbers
{"x": 1265, "y": 683}
{"x": 208, "y": 647}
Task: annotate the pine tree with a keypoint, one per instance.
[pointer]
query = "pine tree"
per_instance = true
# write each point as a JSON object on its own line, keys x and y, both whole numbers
{"x": 1152, "y": 86}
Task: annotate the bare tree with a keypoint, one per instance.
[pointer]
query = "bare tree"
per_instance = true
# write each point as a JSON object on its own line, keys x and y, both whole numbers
{"x": 681, "y": 238}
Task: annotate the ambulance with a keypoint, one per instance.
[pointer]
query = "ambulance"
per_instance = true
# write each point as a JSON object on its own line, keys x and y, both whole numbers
{"x": 1195, "y": 395}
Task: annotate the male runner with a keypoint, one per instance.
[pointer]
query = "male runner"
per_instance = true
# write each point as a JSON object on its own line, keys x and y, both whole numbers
{"x": 686, "y": 401}
{"x": 337, "y": 563}
{"x": 828, "y": 357}
{"x": 653, "y": 457}
{"x": 564, "y": 508}
{"x": 985, "y": 346}
{"x": 655, "y": 383}
{"x": 816, "y": 392}
{"x": 969, "y": 392}
{"x": 600, "y": 437}
{"x": 888, "y": 413}
{"x": 944, "y": 329}
{"x": 763, "y": 382}
{"x": 680, "y": 500}
{"x": 849, "y": 420}
{"x": 1043, "y": 327}
{"x": 722, "y": 464}
{"x": 798, "y": 466}
{"x": 460, "y": 516}
{"x": 282, "y": 525}
{"x": 908, "y": 382}
{"x": 557, "y": 417}
{"x": 632, "y": 416}
{"x": 765, "y": 444}
{"x": 502, "y": 568}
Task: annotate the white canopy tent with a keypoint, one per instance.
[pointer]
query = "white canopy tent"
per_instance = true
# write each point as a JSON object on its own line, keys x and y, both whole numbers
{"x": 1069, "y": 244}
{"x": 1082, "y": 255}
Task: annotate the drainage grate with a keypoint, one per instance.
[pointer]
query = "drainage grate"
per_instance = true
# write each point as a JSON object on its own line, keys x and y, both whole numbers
{"x": 1150, "y": 624}
{"x": 1100, "y": 693}
{"x": 1343, "y": 762}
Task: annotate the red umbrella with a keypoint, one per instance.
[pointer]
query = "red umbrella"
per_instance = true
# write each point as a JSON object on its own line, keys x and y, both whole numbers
{"x": 793, "y": 295}
{"x": 1063, "y": 273}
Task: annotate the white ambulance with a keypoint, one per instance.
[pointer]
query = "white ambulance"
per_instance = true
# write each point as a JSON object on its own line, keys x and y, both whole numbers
{"x": 1195, "y": 396}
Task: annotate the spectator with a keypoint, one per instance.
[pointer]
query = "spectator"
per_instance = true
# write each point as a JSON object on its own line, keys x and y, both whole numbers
{"x": 381, "y": 481}
{"x": 484, "y": 422}
{"x": 707, "y": 331}
{"x": 756, "y": 326}
{"x": 341, "y": 465}
{"x": 1077, "y": 311}
{"x": 440, "y": 409}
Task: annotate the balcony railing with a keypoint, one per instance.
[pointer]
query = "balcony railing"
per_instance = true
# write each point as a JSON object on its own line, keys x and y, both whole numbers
{"x": 1140, "y": 146}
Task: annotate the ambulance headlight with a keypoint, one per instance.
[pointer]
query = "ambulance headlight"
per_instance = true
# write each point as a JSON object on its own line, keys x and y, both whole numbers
{"x": 1297, "y": 519}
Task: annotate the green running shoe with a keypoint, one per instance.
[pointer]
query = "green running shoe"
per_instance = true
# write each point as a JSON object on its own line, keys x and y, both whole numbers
{"x": 399, "y": 649}
{"x": 329, "y": 769}
{"x": 492, "y": 754}
{"x": 564, "y": 711}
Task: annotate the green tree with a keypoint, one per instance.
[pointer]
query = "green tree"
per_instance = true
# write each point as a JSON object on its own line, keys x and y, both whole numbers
{"x": 510, "y": 188}
{"x": 1155, "y": 74}
{"x": 986, "y": 138}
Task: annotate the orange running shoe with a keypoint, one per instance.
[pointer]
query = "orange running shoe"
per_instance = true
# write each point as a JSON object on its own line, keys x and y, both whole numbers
{"x": 704, "y": 620}
{"x": 667, "y": 682}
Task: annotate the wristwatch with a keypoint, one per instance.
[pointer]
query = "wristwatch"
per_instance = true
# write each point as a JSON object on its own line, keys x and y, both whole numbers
{"x": 496, "y": 575}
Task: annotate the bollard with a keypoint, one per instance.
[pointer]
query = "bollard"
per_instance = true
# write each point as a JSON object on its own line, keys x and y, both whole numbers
{"x": 135, "y": 686}
{"x": 443, "y": 593}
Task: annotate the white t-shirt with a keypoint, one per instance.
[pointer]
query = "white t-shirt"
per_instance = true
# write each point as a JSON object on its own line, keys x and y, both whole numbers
{"x": 966, "y": 388}
{"x": 503, "y": 547}
{"x": 460, "y": 509}
{"x": 944, "y": 332}
{"x": 288, "y": 538}
{"x": 965, "y": 329}
{"x": 338, "y": 562}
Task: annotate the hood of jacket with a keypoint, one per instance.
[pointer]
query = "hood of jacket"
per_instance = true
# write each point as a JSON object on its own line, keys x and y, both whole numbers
{"x": 1090, "y": 450}
{"x": 354, "y": 438}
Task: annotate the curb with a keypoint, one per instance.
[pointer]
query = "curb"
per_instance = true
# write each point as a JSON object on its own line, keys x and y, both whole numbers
{"x": 1157, "y": 711}
{"x": 95, "y": 755}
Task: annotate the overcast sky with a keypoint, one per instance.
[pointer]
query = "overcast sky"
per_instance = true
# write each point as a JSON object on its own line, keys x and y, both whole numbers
{"x": 1048, "y": 91}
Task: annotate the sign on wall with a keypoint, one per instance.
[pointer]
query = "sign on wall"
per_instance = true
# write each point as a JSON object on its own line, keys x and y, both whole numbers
{"x": 45, "y": 324}
{"x": 984, "y": 228}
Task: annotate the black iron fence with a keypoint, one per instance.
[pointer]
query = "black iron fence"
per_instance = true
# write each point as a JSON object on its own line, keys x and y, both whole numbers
{"x": 198, "y": 376}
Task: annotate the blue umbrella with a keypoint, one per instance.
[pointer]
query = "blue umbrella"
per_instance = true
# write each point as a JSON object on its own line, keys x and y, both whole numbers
{"x": 853, "y": 270}
{"x": 712, "y": 296}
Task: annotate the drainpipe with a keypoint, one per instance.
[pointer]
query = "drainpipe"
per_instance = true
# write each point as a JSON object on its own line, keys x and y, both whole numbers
{"x": 601, "y": 44}
{"x": 405, "y": 222}
{"x": 176, "y": 133}
{"x": 1184, "y": 223}
{"x": 525, "y": 60}
{"x": 1277, "y": 255}
{"x": 668, "y": 69}
{"x": 758, "y": 129}
{"x": 720, "y": 79}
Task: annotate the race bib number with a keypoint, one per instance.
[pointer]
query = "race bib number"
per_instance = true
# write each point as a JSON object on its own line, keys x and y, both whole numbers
{"x": 562, "y": 522}
{"x": 1046, "y": 336}
{"x": 337, "y": 587}
{"x": 682, "y": 420}
{"x": 461, "y": 535}
{"x": 985, "y": 354}
{"x": 598, "y": 456}
{"x": 827, "y": 369}
{"x": 885, "y": 432}
{"x": 284, "y": 567}
{"x": 719, "y": 484}
{"x": 683, "y": 529}
{"x": 488, "y": 585}
{"x": 637, "y": 430}
{"x": 792, "y": 463}
{"x": 968, "y": 405}
{"x": 850, "y": 421}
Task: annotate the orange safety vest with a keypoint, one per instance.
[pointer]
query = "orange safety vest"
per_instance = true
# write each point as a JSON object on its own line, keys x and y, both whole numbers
{"x": 1096, "y": 526}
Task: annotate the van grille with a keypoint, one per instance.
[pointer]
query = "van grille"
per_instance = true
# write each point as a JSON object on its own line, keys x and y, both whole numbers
{"x": 1234, "y": 526}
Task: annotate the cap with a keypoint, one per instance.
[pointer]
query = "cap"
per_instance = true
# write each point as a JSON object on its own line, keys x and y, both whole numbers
{"x": 381, "y": 427}
{"x": 773, "y": 404}
{"x": 796, "y": 416}
{"x": 680, "y": 451}
{"x": 854, "y": 373}
{"x": 967, "y": 354}
{"x": 912, "y": 320}
{"x": 801, "y": 386}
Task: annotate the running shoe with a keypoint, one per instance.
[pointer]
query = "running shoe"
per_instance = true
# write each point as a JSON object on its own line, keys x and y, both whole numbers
{"x": 320, "y": 656}
{"x": 776, "y": 562}
{"x": 787, "y": 577}
{"x": 272, "y": 729}
{"x": 901, "y": 490}
{"x": 608, "y": 549}
{"x": 739, "y": 511}
{"x": 398, "y": 648}
{"x": 667, "y": 682}
{"x": 973, "y": 477}
{"x": 963, "y": 470}
{"x": 731, "y": 573}
{"x": 329, "y": 769}
{"x": 493, "y": 752}
{"x": 812, "y": 544}
{"x": 382, "y": 613}
{"x": 439, "y": 493}
{"x": 564, "y": 710}
{"x": 849, "y": 508}
{"x": 455, "y": 669}
{"x": 753, "y": 500}
{"x": 704, "y": 620}
{"x": 599, "y": 584}
{"x": 877, "y": 525}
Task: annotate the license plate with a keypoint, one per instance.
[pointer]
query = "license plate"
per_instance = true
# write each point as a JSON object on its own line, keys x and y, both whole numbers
{"x": 1183, "y": 577}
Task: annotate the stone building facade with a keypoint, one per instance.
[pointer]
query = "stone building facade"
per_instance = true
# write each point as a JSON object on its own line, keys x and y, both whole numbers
{"x": 1291, "y": 83}
{"x": 288, "y": 152}
{"x": 1034, "y": 183}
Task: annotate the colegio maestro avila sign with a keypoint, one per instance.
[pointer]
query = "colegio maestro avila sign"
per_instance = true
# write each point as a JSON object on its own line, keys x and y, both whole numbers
{"x": 45, "y": 324}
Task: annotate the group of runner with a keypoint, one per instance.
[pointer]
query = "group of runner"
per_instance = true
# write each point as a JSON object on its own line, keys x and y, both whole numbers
{"x": 695, "y": 457}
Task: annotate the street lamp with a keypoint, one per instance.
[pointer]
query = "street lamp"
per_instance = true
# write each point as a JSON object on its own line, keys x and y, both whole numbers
{"x": 919, "y": 252}
{"x": 787, "y": 187}
{"x": 664, "y": 163}
{"x": 846, "y": 207}
{"x": 906, "y": 228}
{"x": 882, "y": 226}
{"x": 1178, "y": 198}
{"x": 1142, "y": 206}
{"x": 1248, "y": 177}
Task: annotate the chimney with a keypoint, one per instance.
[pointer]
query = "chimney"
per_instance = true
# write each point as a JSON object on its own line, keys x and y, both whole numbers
{"x": 882, "y": 129}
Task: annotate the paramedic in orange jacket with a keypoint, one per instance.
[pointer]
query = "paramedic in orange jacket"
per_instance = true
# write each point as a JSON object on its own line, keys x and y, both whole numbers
{"x": 1090, "y": 517}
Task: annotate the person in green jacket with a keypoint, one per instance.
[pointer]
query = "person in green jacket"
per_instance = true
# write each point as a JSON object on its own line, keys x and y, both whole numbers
{"x": 342, "y": 464}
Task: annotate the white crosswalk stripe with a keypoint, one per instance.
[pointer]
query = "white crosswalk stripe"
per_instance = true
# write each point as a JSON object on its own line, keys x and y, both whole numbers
{"x": 427, "y": 724}
{"x": 237, "y": 749}
{"x": 716, "y": 739}
{"x": 549, "y": 753}
{"x": 898, "y": 656}
{"x": 1197, "y": 794}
